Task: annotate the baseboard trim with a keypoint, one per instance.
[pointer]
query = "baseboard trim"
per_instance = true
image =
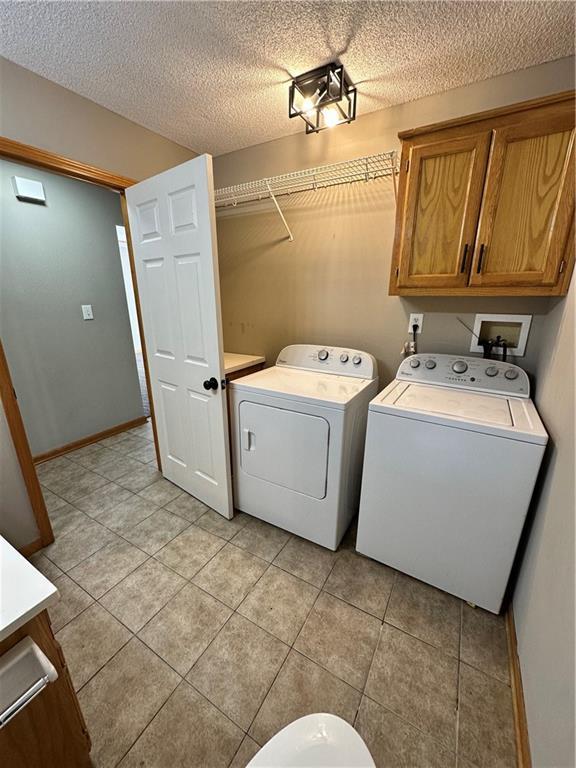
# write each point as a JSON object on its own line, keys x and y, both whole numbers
{"x": 30, "y": 549}
{"x": 520, "y": 722}
{"x": 52, "y": 454}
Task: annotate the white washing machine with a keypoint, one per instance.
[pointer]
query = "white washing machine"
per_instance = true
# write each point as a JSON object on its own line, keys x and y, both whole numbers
{"x": 298, "y": 432}
{"x": 453, "y": 448}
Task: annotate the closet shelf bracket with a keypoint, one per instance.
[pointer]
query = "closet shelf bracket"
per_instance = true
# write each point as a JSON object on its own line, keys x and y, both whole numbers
{"x": 273, "y": 197}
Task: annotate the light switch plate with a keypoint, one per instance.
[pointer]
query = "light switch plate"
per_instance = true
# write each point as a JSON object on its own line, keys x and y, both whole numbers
{"x": 87, "y": 313}
{"x": 415, "y": 319}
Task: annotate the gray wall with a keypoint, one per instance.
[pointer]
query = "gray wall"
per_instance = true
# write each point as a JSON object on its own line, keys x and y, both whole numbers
{"x": 36, "y": 111}
{"x": 73, "y": 377}
{"x": 544, "y": 597}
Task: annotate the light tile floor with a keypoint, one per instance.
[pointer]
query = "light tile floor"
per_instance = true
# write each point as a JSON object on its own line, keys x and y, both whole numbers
{"x": 192, "y": 640}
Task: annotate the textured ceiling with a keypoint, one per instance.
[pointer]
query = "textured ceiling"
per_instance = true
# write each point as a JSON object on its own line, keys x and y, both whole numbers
{"x": 213, "y": 75}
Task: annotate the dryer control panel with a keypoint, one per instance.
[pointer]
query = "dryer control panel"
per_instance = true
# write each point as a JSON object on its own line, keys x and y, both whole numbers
{"x": 338, "y": 360}
{"x": 474, "y": 373}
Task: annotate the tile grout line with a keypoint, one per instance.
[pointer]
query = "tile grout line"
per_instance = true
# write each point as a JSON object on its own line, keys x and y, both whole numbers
{"x": 74, "y": 617}
{"x": 363, "y": 692}
{"x": 96, "y": 601}
{"x": 291, "y": 648}
{"x": 75, "y": 462}
{"x": 116, "y": 533}
{"x": 154, "y": 716}
{"x": 411, "y": 724}
{"x": 188, "y": 582}
{"x": 132, "y": 636}
{"x": 152, "y": 557}
{"x": 458, "y": 688}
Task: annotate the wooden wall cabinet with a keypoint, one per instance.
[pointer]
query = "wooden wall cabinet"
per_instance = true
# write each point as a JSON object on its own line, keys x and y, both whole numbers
{"x": 486, "y": 204}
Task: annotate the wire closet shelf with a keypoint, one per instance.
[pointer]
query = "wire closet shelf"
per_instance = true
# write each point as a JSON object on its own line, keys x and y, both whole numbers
{"x": 346, "y": 172}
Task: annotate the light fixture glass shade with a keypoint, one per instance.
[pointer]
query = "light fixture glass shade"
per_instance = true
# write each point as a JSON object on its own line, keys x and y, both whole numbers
{"x": 323, "y": 98}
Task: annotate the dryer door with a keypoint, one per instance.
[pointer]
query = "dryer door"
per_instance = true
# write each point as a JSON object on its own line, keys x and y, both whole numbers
{"x": 284, "y": 447}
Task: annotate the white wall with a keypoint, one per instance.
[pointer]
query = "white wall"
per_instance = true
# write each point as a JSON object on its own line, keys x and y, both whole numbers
{"x": 544, "y": 597}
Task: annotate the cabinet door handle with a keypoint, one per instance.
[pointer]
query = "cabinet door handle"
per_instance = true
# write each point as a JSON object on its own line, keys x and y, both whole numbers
{"x": 464, "y": 255}
{"x": 480, "y": 258}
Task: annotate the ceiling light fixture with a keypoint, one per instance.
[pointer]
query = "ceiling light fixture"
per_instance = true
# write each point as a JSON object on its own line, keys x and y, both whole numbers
{"x": 323, "y": 98}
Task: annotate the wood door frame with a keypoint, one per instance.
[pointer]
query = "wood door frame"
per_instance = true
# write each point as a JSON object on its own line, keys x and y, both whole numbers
{"x": 24, "y": 455}
{"x": 65, "y": 166}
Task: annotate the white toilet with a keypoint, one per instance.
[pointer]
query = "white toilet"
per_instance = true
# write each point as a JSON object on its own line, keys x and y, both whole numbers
{"x": 319, "y": 740}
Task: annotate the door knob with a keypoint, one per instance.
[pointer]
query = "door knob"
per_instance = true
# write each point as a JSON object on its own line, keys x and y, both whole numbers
{"x": 211, "y": 383}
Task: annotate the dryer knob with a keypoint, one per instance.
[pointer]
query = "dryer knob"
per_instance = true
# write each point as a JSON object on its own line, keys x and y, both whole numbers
{"x": 430, "y": 364}
{"x": 511, "y": 374}
{"x": 356, "y": 359}
{"x": 323, "y": 354}
{"x": 491, "y": 371}
{"x": 459, "y": 366}
{"x": 344, "y": 357}
{"x": 414, "y": 363}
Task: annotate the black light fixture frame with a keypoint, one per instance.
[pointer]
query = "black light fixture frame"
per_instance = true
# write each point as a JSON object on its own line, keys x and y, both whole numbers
{"x": 321, "y": 76}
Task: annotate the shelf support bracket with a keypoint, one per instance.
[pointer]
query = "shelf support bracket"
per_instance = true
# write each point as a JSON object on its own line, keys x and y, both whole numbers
{"x": 273, "y": 198}
{"x": 394, "y": 178}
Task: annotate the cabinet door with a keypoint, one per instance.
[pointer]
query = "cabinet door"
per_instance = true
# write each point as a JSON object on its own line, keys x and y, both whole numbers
{"x": 528, "y": 205}
{"x": 442, "y": 203}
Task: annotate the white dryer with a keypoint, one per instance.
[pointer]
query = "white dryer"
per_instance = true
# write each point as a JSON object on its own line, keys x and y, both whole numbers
{"x": 453, "y": 448}
{"x": 298, "y": 432}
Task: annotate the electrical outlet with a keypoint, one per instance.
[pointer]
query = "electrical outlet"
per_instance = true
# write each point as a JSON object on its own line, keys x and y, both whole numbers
{"x": 87, "y": 313}
{"x": 415, "y": 320}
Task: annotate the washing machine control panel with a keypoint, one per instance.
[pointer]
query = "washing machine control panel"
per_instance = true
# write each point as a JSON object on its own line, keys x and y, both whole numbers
{"x": 474, "y": 373}
{"x": 337, "y": 360}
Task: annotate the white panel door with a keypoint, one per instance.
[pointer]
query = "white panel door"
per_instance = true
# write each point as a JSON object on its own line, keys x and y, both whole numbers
{"x": 172, "y": 223}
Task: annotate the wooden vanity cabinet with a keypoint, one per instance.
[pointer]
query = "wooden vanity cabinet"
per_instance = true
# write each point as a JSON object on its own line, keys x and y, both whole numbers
{"x": 486, "y": 204}
{"x": 50, "y": 732}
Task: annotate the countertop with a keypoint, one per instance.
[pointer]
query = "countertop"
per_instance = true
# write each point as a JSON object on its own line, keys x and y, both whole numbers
{"x": 234, "y": 362}
{"x": 24, "y": 591}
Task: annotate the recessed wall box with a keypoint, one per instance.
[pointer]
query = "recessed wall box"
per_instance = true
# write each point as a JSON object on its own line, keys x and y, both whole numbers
{"x": 28, "y": 190}
{"x": 513, "y": 328}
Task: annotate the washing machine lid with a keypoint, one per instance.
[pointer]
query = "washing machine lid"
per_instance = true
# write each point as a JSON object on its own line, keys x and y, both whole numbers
{"x": 326, "y": 389}
{"x": 510, "y": 417}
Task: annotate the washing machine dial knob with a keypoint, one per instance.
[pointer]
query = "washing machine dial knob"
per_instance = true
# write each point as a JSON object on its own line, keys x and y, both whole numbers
{"x": 511, "y": 374}
{"x": 430, "y": 364}
{"x": 491, "y": 371}
{"x": 323, "y": 354}
{"x": 356, "y": 359}
{"x": 344, "y": 357}
{"x": 414, "y": 363}
{"x": 459, "y": 366}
